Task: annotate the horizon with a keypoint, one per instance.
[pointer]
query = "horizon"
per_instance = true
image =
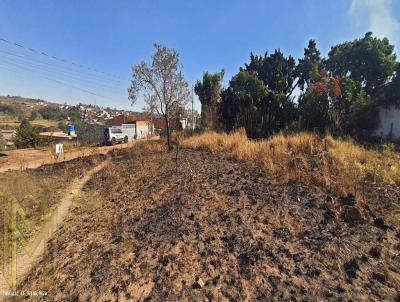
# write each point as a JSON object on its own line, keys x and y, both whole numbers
{"x": 88, "y": 60}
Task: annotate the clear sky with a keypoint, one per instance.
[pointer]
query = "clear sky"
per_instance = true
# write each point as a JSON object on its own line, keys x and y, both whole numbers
{"x": 111, "y": 36}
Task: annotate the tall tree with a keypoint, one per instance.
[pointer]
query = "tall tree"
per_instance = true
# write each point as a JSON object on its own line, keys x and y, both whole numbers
{"x": 278, "y": 73}
{"x": 161, "y": 83}
{"x": 241, "y": 102}
{"x": 370, "y": 61}
{"x": 209, "y": 93}
{"x": 26, "y": 136}
{"x": 309, "y": 66}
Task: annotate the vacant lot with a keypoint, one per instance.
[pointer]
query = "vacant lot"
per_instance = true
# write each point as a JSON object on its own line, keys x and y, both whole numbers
{"x": 196, "y": 226}
{"x": 36, "y": 192}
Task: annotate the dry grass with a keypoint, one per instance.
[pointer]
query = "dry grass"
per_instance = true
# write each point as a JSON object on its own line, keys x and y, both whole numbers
{"x": 36, "y": 193}
{"x": 339, "y": 164}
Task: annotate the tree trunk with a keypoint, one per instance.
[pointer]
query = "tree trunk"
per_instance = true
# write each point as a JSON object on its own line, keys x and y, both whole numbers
{"x": 168, "y": 134}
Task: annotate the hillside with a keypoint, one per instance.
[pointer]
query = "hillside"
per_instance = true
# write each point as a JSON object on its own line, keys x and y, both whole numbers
{"x": 14, "y": 108}
{"x": 200, "y": 224}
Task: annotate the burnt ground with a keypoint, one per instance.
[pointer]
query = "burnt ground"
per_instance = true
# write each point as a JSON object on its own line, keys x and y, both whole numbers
{"x": 211, "y": 229}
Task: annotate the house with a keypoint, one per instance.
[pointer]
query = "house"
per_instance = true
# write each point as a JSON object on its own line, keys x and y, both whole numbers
{"x": 389, "y": 125}
{"x": 160, "y": 124}
{"x": 8, "y": 137}
{"x": 120, "y": 119}
{"x": 144, "y": 128}
{"x": 135, "y": 127}
{"x": 55, "y": 137}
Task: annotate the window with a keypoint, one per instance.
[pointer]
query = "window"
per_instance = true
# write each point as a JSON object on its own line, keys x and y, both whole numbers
{"x": 116, "y": 131}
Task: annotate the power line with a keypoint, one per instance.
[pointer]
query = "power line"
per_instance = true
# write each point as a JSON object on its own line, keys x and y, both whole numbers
{"x": 57, "y": 81}
{"x": 42, "y": 53}
{"x": 71, "y": 76}
{"x": 61, "y": 68}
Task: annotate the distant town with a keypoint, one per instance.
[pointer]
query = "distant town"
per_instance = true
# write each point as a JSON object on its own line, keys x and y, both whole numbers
{"x": 53, "y": 122}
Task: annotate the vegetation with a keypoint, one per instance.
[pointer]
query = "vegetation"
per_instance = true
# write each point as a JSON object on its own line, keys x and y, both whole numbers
{"x": 26, "y": 136}
{"x": 52, "y": 113}
{"x": 162, "y": 84}
{"x": 335, "y": 163}
{"x": 340, "y": 94}
{"x": 209, "y": 92}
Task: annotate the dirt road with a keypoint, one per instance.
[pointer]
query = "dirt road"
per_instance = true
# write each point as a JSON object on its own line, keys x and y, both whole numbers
{"x": 36, "y": 247}
{"x": 30, "y": 158}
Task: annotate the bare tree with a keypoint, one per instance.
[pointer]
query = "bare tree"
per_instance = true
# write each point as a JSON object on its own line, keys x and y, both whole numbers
{"x": 161, "y": 84}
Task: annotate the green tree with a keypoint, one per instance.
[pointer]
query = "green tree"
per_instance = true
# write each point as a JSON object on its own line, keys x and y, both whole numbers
{"x": 309, "y": 66}
{"x": 26, "y": 136}
{"x": 34, "y": 115}
{"x": 241, "y": 102}
{"x": 209, "y": 93}
{"x": 370, "y": 61}
{"x": 278, "y": 73}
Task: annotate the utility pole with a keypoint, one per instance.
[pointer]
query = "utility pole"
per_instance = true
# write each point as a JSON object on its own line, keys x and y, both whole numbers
{"x": 192, "y": 107}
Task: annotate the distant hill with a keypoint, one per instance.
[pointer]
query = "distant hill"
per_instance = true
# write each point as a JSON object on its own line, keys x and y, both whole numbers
{"x": 13, "y": 109}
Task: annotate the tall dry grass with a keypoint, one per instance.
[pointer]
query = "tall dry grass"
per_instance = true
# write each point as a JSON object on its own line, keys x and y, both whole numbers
{"x": 340, "y": 164}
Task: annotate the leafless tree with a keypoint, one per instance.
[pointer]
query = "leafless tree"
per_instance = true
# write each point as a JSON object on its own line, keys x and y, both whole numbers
{"x": 161, "y": 84}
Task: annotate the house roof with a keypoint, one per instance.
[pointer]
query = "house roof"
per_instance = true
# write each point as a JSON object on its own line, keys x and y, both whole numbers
{"x": 55, "y": 134}
{"x": 121, "y": 119}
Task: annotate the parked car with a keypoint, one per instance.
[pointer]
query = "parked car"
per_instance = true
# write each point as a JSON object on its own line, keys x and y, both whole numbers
{"x": 114, "y": 135}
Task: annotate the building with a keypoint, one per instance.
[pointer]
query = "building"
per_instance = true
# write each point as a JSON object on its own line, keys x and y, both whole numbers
{"x": 144, "y": 129}
{"x": 136, "y": 128}
{"x": 55, "y": 137}
{"x": 8, "y": 137}
{"x": 120, "y": 119}
{"x": 160, "y": 124}
{"x": 389, "y": 125}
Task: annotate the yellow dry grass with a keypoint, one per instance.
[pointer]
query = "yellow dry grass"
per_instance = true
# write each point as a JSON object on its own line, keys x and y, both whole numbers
{"x": 340, "y": 164}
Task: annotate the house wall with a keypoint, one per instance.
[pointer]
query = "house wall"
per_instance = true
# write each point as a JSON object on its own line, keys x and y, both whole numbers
{"x": 143, "y": 129}
{"x": 389, "y": 123}
{"x": 130, "y": 130}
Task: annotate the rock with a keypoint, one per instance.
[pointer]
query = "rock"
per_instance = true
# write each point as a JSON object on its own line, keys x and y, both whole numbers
{"x": 348, "y": 200}
{"x": 329, "y": 215}
{"x": 380, "y": 223}
{"x": 200, "y": 282}
{"x": 379, "y": 277}
{"x": 351, "y": 215}
{"x": 230, "y": 171}
{"x": 351, "y": 268}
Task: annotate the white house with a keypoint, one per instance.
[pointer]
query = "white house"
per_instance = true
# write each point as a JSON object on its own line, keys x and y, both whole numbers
{"x": 389, "y": 126}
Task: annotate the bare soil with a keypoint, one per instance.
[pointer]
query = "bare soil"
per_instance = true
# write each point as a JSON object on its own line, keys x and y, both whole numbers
{"x": 36, "y": 247}
{"x": 23, "y": 159}
{"x": 211, "y": 229}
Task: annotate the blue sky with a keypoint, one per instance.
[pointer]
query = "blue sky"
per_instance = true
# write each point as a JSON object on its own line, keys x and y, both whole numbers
{"x": 111, "y": 36}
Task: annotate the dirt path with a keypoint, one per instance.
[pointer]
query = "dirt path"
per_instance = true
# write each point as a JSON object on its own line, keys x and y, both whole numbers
{"x": 36, "y": 247}
{"x": 31, "y": 159}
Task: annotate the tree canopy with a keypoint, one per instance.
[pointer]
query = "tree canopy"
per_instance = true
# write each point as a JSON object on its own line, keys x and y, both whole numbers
{"x": 341, "y": 93}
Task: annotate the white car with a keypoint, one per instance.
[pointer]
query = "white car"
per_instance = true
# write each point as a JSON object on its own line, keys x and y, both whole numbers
{"x": 114, "y": 135}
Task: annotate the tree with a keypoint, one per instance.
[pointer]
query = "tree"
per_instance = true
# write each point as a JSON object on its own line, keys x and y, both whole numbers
{"x": 241, "y": 102}
{"x": 315, "y": 103}
{"x": 26, "y": 136}
{"x": 209, "y": 92}
{"x": 34, "y": 115}
{"x": 161, "y": 83}
{"x": 369, "y": 61}
{"x": 309, "y": 66}
{"x": 278, "y": 73}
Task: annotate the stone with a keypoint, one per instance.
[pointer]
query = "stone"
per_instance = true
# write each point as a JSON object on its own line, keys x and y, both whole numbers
{"x": 351, "y": 215}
